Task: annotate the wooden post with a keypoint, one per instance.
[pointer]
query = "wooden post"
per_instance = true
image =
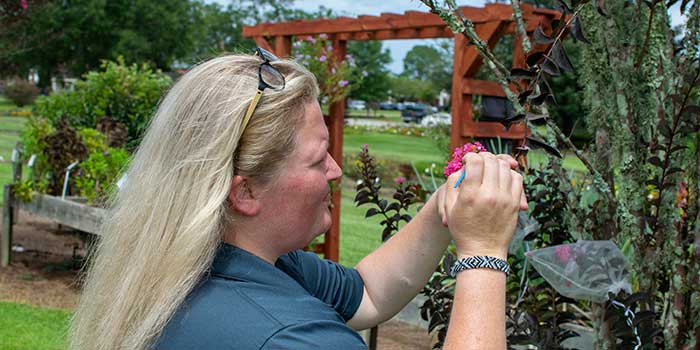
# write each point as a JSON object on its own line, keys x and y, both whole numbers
{"x": 17, "y": 172}
{"x": 335, "y": 122}
{"x": 6, "y": 235}
{"x": 283, "y": 46}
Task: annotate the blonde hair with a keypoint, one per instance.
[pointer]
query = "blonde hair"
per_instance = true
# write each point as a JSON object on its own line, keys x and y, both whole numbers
{"x": 165, "y": 224}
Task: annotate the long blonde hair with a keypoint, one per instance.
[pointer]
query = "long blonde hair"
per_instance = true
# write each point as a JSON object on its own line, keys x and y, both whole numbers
{"x": 165, "y": 224}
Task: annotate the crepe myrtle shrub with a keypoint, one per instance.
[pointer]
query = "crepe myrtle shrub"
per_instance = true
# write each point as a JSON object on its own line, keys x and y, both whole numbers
{"x": 368, "y": 193}
{"x": 336, "y": 75}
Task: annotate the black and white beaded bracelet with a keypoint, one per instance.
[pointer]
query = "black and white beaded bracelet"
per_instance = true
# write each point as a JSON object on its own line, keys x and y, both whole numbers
{"x": 479, "y": 262}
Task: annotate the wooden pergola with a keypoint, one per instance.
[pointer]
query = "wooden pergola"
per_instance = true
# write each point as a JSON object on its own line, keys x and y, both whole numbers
{"x": 492, "y": 22}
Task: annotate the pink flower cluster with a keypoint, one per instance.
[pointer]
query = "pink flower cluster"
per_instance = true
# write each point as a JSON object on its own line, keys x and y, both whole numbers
{"x": 455, "y": 164}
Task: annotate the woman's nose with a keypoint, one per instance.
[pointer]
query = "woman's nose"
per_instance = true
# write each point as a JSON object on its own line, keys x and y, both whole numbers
{"x": 334, "y": 171}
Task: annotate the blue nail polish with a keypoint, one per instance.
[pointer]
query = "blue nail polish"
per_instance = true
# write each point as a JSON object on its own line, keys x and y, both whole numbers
{"x": 461, "y": 177}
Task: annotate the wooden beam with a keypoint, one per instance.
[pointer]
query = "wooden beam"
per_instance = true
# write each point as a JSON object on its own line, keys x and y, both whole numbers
{"x": 483, "y": 88}
{"x": 458, "y": 99}
{"x": 283, "y": 46}
{"x": 263, "y": 43}
{"x": 77, "y": 215}
{"x": 411, "y": 19}
{"x": 493, "y": 129}
{"x": 471, "y": 60}
{"x": 335, "y": 122}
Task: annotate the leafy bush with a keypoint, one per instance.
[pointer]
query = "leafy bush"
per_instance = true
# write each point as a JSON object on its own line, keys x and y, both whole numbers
{"x": 97, "y": 176}
{"x": 94, "y": 141}
{"x": 21, "y": 92}
{"x": 128, "y": 94}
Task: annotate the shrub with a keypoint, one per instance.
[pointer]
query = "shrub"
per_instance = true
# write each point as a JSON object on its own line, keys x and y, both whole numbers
{"x": 128, "y": 94}
{"x": 97, "y": 175}
{"x": 21, "y": 92}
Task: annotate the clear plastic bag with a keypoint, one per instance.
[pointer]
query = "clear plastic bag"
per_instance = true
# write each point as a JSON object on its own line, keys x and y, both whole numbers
{"x": 587, "y": 270}
{"x": 526, "y": 226}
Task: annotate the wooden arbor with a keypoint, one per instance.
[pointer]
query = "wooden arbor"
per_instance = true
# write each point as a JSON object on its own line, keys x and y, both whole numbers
{"x": 492, "y": 22}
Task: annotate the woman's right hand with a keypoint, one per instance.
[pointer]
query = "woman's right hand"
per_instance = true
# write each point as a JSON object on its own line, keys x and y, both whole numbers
{"x": 482, "y": 212}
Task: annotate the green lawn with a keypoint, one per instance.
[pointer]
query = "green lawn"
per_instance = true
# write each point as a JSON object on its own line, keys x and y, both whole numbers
{"x": 6, "y": 106}
{"x": 25, "y": 327}
{"x": 12, "y": 123}
{"x": 399, "y": 147}
{"x": 9, "y": 135}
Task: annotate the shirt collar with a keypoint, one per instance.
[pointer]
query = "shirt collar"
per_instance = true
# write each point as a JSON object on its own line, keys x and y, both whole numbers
{"x": 236, "y": 263}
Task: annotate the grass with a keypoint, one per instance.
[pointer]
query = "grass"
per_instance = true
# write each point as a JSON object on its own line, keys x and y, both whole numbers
{"x": 25, "y": 327}
{"x": 9, "y": 135}
{"x": 400, "y": 147}
{"x": 12, "y": 124}
{"x": 6, "y": 106}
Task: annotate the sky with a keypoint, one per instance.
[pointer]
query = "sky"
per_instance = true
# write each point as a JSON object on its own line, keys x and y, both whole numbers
{"x": 399, "y": 48}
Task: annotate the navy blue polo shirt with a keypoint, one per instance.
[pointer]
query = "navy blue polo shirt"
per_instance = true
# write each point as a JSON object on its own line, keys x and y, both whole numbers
{"x": 245, "y": 303}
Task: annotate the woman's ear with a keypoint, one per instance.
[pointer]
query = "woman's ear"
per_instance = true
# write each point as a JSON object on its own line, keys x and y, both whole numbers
{"x": 241, "y": 197}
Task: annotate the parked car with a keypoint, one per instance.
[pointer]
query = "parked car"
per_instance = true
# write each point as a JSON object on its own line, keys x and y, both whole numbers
{"x": 357, "y": 104}
{"x": 387, "y": 106}
{"x": 414, "y": 113}
{"x": 437, "y": 119}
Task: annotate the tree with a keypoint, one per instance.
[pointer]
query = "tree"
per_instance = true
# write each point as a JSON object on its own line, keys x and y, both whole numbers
{"x": 74, "y": 36}
{"x": 430, "y": 63}
{"x": 371, "y": 59}
{"x": 407, "y": 89}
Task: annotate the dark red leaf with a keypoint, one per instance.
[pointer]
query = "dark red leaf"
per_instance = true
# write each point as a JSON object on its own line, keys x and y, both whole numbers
{"x": 519, "y": 73}
{"x": 535, "y": 142}
{"x": 599, "y": 4}
{"x": 560, "y": 57}
{"x": 674, "y": 170}
{"x": 539, "y": 99}
{"x": 678, "y": 148}
{"x": 523, "y": 96}
{"x": 371, "y": 212}
{"x": 540, "y": 37}
{"x": 563, "y": 7}
{"x": 550, "y": 67}
{"x": 577, "y": 30}
{"x": 654, "y": 161}
{"x": 534, "y": 59}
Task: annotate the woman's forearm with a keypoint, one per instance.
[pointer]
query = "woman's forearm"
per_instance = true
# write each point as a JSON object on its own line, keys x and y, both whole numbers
{"x": 478, "y": 312}
{"x": 399, "y": 268}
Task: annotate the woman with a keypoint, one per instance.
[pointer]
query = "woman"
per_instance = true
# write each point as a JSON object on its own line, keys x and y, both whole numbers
{"x": 201, "y": 248}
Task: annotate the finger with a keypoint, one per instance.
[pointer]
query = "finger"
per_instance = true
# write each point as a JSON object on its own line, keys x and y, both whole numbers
{"x": 517, "y": 188}
{"x": 505, "y": 178}
{"x": 523, "y": 201}
{"x": 450, "y": 195}
{"x": 511, "y": 161}
{"x": 474, "y": 166}
{"x": 441, "y": 205}
{"x": 491, "y": 179}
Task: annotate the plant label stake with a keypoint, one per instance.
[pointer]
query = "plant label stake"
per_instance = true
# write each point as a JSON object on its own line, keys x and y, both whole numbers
{"x": 30, "y": 165}
{"x": 65, "y": 183}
